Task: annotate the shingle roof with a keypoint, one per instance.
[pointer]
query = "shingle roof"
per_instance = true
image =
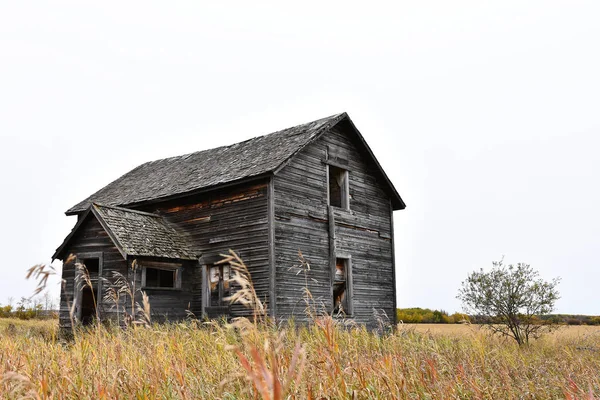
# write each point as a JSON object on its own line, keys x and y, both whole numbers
{"x": 178, "y": 175}
{"x": 137, "y": 233}
{"x": 143, "y": 234}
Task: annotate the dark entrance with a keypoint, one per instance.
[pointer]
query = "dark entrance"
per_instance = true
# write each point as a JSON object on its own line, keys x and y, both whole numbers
{"x": 89, "y": 298}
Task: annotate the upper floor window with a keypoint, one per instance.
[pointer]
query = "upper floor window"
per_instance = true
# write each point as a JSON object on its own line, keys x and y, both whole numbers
{"x": 338, "y": 187}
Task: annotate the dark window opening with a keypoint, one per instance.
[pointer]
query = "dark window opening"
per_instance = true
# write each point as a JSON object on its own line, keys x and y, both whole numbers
{"x": 160, "y": 278}
{"x": 92, "y": 265}
{"x": 219, "y": 286}
{"x": 338, "y": 187}
{"x": 341, "y": 298}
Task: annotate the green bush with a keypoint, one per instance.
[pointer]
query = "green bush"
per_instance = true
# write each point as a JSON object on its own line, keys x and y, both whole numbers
{"x": 422, "y": 316}
{"x": 24, "y": 312}
{"x": 5, "y": 312}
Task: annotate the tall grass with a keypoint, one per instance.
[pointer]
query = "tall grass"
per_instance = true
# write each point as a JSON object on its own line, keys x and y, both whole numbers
{"x": 189, "y": 360}
{"x": 323, "y": 359}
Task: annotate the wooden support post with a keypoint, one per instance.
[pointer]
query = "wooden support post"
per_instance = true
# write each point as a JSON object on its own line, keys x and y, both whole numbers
{"x": 332, "y": 249}
{"x": 393, "y": 261}
{"x": 272, "y": 266}
{"x": 203, "y": 286}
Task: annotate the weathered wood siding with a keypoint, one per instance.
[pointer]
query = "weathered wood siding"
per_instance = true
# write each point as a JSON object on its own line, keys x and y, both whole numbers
{"x": 232, "y": 218}
{"x": 302, "y": 222}
{"x": 166, "y": 304}
{"x": 267, "y": 222}
{"x": 90, "y": 238}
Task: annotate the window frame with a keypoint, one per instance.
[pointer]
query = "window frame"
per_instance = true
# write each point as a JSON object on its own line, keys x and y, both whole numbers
{"x": 347, "y": 301}
{"x": 344, "y": 190}
{"x": 176, "y": 269}
{"x": 220, "y": 284}
{"x": 223, "y": 307}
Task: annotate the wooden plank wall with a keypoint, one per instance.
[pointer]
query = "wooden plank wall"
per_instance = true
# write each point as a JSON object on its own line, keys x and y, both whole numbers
{"x": 364, "y": 232}
{"x": 238, "y": 218}
{"x": 233, "y": 218}
{"x": 91, "y": 237}
{"x": 166, "y": 304}
{"x": 301, "y": 224}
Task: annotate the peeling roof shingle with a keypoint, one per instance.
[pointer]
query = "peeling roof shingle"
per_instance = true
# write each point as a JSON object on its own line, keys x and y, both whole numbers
{"x": 203, "y": 169}
{"x": 143, "y": 234}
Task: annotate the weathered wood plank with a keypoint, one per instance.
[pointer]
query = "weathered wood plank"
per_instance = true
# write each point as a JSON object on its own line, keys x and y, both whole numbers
{"x": 304, "y": 221}
{"x": 236, "y": 218}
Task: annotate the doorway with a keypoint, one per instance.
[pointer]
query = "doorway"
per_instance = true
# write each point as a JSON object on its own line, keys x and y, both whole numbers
{"x": 88, "y": 297}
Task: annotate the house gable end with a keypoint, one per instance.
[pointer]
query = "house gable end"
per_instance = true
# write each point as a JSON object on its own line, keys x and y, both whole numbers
{"x": 85, "y": 218}
{"x": 134, "y": 233}
{"x": 342, "y": 123}
{"x": 353, "y": 234}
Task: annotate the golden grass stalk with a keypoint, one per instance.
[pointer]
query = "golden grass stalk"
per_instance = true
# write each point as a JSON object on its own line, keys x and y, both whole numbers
{"x": 325, "y": 359}
{"x": 244, "y": 292}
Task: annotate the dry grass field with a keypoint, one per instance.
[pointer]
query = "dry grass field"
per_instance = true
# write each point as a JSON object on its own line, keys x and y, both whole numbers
{"x": 577, "y": 332}
{"x": 325, "y": 360}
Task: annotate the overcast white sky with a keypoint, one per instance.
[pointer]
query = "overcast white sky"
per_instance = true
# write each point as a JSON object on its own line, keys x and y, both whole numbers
{"x": 485, "y": 115}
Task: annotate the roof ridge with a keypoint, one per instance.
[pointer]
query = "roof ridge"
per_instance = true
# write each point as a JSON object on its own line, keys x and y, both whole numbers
{"x": 331, "y": 122}
{"x": 289, "y": 128}
{"x": 173, "y": 176}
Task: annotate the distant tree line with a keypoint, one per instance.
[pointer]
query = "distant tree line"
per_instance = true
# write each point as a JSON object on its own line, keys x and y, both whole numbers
{"x": 426, "y": 316}
{"x": 418, "y": 315}
{"x": 567, "y": 319}
{"x": 39, "y": 307}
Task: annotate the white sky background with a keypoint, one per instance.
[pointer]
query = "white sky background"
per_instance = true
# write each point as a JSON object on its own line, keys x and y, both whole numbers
{"x": 484, "y": 114}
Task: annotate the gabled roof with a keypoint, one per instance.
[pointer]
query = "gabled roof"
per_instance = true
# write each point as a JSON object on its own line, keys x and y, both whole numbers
{"x": 178, "y": 175}
{"x": 136, "y": 233}
{"x": 202, "y": 170}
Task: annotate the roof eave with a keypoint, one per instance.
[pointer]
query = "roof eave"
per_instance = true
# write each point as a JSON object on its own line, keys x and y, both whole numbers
{"x": 333, "y": 122}
{"x": 109, "y": 231}
{"x": 59, "y": 249}
{"x": 93, "y": 209}
{"x": 217, "y": 186}
{"x": 397, "y": 202}
{"x": 155, "y": 257}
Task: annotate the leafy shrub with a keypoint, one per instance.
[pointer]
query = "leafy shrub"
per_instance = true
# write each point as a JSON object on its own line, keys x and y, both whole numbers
{"x": 6, "y": 311}
{"x": 422, "y": 316}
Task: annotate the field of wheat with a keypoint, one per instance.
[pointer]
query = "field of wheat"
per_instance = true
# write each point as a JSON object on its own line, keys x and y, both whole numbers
{"x": 322, "y": 360}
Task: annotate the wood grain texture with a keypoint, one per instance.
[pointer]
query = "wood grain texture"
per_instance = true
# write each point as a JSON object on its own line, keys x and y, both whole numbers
{"x": 267, "y": 221}
{"x": 180, "y": 175}
{"x": 305, "y": 222}
{"x": 235, "y": 218}
{"x": 91, "y": 237}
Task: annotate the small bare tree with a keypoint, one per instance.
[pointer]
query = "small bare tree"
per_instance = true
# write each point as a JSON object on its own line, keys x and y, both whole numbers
{"x": 509, "y": 300}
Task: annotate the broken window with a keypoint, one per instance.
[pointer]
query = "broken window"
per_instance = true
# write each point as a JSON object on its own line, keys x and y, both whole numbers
{"x": 164, "y": 278}
{"x": 338, "y": 187}
{"x": 219, "y": 287}
{"x": 342, "y": 287}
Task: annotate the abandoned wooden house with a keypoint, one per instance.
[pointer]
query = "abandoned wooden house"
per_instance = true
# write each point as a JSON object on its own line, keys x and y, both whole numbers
{"x": 315, "y": 188}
